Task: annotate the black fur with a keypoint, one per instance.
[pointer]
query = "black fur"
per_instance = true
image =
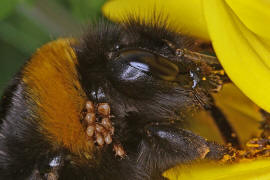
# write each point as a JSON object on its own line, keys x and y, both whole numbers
{"x": 155, "y": 107}
{"x": 23, "y": 148}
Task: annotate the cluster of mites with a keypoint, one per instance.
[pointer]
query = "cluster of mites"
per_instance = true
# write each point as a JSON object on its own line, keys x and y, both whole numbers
{"x": 99, "y": 127}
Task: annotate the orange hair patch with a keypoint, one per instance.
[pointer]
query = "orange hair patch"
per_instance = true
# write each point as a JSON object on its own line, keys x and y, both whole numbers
{"x": 52, "y": 80}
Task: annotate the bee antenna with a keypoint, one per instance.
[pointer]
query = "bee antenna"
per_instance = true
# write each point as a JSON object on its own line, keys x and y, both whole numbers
{"x": 198, "y": 57}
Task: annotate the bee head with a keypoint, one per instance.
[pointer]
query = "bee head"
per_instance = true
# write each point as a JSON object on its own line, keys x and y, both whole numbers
{"x": 145, "y": 70}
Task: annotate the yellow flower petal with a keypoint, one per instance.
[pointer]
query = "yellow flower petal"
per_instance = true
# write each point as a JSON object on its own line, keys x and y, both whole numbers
{"x": 256, "y": 170}
{"x": 244, "y": 55}
{"x": 254, "y": 14}
{"x": 184, "y": 15}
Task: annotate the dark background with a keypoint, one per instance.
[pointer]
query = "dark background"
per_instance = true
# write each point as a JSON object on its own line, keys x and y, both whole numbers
{"x": 26, "y": 25}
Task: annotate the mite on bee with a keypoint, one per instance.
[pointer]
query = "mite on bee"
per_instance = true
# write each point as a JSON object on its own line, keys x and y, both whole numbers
{"x": 110, "y": 105}
{"x": 99, "y": 128}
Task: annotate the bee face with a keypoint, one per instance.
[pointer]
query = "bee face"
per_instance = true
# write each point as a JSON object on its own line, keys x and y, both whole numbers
{"x": 52, "y": 123}
{"x": 134, "y": 66}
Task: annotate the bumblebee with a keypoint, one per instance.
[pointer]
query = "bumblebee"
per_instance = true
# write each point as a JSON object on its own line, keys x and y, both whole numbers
{"x": 114, "y": 104}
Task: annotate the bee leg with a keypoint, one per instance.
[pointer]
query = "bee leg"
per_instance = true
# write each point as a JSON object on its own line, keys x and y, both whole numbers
{"x": 179, "y": 141}
{"x": 265, "y": 124}
{"x": 228, "y": 133}
{"x": 168, "y": 146}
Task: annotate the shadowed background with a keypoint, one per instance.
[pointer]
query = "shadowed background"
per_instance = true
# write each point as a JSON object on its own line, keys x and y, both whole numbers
{"x": 26, "y": 25}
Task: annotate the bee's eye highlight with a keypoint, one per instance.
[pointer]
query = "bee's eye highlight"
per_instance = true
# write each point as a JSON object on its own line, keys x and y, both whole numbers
{"x": 150, "y": 64}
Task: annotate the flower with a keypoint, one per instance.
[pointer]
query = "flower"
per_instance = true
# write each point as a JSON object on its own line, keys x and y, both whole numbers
{"x": 246, "y": 170}
{"x": 238, "y": 29}
{"x": 240, "y": 33}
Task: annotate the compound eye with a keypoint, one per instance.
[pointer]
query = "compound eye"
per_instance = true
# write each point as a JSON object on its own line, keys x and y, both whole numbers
{"x": 150, "y": 64}
{"x": 137, "y": 72}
